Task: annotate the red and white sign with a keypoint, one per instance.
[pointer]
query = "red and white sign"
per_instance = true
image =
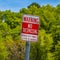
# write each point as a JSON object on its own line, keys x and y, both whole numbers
{"x": 30, "y": 25}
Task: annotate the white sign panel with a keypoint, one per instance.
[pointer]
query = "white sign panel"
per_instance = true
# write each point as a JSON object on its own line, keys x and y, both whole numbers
{"x": 30, "y": 25}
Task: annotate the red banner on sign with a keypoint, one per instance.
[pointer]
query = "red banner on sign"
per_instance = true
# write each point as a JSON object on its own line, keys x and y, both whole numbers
{"x": 29, "y": 28}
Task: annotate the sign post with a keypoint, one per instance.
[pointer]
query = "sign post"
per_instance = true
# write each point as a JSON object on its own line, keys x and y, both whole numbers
{"x": 27, "y": 51}
{"x": 30, "y": 26}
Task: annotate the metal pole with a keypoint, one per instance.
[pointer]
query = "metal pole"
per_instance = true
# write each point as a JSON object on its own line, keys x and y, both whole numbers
{"x": 27, "y": 51}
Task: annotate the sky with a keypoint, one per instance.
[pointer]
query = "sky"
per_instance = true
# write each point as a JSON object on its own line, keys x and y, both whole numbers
{"x": 16, "y": 5}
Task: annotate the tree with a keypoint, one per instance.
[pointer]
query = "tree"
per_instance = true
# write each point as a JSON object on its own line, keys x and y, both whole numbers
{"x": 34, "y": 4}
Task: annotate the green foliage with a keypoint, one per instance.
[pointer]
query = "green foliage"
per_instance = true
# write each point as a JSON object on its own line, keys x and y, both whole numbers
{"x": 34, "y": 4}
{"x": 57, "y": 51}
{"x": 47, "y": 47}
{"x": 3, "y": 51}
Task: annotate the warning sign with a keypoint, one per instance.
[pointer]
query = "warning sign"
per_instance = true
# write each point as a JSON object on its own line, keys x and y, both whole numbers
{"x": 30, "y": 25}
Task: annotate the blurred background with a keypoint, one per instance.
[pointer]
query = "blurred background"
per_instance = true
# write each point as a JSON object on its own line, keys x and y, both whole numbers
{"x": 48, "y": 45}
